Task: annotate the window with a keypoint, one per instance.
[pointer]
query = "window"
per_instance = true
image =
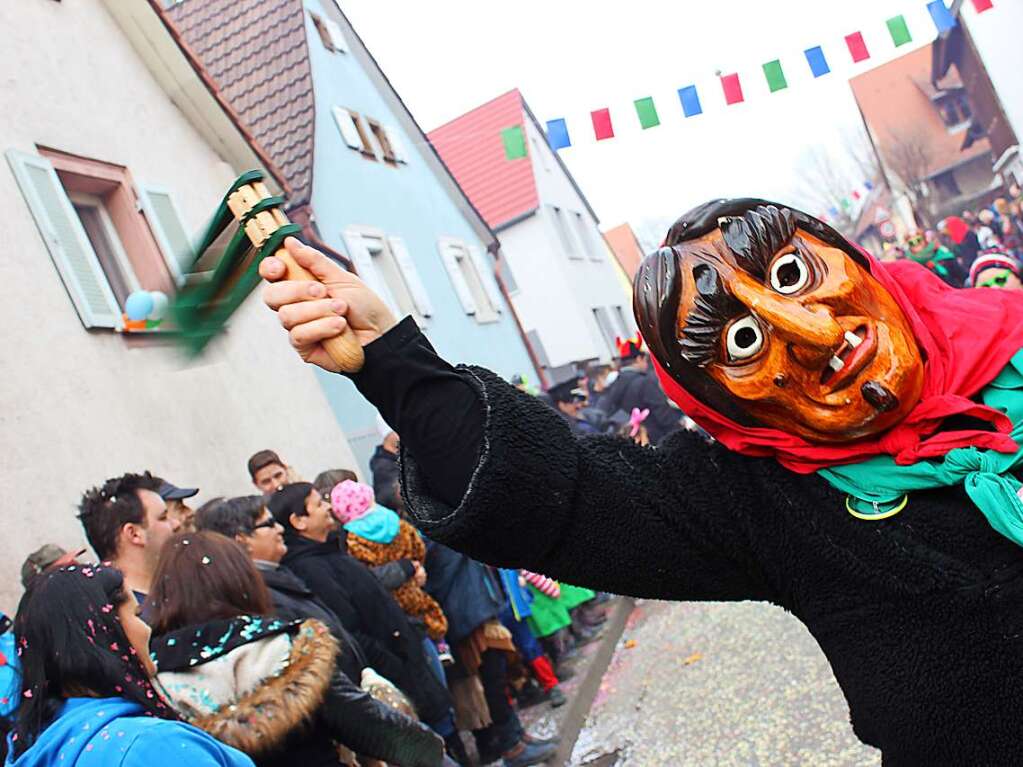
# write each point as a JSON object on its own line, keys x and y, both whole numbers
{"x": 356, "y": 131}
{"x": 586, "y": 238}
{"x": 946, "y": 186}
{"x": 107, "y": 236}
{"x": 331, "y": 36}
{"x": 607, "y": 331}
{"x": 383, "y": 140}
{"x": 472, "y": 278}
{"x": 954, "y": 110}
{"x": 623, "y": 323}
{"x": 561, "y": 224}
{"x": 386, "y": 266}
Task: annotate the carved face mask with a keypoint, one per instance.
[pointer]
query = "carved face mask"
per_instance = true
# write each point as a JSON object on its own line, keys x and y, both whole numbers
{"x": 772, "y": 325}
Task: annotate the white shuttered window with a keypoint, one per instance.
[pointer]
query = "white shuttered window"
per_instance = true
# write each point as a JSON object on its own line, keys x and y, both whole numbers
{"x": 166, "y": 224}
{"x": 66, "y": 240}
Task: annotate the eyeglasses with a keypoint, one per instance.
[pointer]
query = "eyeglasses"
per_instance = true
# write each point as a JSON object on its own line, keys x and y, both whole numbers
{"x": 998, "y": 281}
{"x": 270, "y": 522}
{"x": 914, "y": 241}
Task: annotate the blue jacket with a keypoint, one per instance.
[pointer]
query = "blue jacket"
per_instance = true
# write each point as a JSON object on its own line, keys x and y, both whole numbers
{"x": 113, "y": 732}
{"x": 464, "y": 587}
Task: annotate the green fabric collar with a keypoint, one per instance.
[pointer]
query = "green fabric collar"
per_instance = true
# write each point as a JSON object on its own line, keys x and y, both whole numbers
{"x": 878, "y": 488}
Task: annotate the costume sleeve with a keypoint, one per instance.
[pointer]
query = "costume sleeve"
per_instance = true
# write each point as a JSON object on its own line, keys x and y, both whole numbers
{"x": 599, "y": 511}
{"x": 435, "y": 411}
{"x": 493, "y": 472}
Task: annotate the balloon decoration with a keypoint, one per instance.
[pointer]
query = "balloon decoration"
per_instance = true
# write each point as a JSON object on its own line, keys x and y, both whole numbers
{"x": 144, "y": 310}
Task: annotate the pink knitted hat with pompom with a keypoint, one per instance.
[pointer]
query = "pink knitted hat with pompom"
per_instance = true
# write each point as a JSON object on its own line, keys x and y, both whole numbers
{"x": 350, "y": 500}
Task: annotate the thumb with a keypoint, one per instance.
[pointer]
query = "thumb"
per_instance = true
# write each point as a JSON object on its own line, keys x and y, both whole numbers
{"x": 321, "y": 267}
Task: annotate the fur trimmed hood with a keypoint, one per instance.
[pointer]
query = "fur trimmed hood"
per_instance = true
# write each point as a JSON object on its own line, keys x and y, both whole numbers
{"x": 256, "y": 694}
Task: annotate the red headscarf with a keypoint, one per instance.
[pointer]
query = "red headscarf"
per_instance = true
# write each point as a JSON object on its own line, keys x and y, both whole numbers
{"x": 966, "y": 335}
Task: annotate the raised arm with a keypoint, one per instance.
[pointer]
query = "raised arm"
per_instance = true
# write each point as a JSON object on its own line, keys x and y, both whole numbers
{"x": 495, "y": 473}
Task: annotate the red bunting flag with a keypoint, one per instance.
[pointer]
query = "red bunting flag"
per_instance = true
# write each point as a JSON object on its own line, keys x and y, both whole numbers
{"x": 732, "y": 88}
{"x": 856, "y": 194}
{"x": 602, "y": 124}
{"x": 857, "y": 48}
{"x": 982, "y": 5}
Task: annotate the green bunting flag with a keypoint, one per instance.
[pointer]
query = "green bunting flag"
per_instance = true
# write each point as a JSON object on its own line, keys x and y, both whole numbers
{"x": 775, "y": 76}
{"x": 647, "y": 113}
{"x": 514, "y": 142}
{"x": 899, "y": 31}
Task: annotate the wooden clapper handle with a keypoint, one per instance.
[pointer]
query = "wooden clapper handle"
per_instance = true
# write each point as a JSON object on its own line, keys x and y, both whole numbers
{"x": 345, "y": 349}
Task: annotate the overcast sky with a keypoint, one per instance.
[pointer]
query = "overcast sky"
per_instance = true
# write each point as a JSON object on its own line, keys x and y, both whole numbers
{"x": 569, "y": 57}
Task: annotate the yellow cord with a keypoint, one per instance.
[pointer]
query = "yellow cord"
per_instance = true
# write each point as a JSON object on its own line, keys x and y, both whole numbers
{"x": 876, "y": 517}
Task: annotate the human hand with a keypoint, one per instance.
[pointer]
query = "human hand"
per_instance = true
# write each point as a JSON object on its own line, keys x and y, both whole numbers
{"x": 314, "y": 312}
{"x": 420, "y": 574}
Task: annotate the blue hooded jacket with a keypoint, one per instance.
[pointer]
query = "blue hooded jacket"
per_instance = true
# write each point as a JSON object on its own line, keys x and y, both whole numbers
{"x": 114, "y": 732}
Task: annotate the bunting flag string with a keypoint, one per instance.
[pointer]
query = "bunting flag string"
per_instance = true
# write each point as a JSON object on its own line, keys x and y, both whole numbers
{"x": 774, "y": 74}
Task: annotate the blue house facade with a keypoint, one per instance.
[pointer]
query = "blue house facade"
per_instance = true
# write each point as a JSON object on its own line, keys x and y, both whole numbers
{"x": 364, "y": 181}
{"x": 382, "y": 197}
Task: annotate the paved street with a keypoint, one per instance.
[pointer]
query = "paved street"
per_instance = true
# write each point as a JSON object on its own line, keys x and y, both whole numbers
{"x": 718, "y": 684}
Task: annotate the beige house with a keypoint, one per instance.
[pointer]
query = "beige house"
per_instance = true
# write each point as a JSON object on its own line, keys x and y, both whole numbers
{"x": 117, "y": 151}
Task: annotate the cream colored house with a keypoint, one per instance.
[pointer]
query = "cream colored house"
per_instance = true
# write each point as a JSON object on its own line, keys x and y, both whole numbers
{"x": 117, "y": 150}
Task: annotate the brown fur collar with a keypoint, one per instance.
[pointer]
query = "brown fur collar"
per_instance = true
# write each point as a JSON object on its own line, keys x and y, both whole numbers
{"x": 261, "y": 721}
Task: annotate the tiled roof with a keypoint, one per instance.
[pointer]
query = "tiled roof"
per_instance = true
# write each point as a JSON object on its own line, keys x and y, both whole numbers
{"x": 471, "y": 147}
{"x": 256, "y": 53}
{"x": 915, "y": 119}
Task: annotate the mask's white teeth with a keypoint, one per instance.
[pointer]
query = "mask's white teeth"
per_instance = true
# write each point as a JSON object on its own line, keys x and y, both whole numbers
{"x": 852, "y": 339}
{"x": 836, "y": 364}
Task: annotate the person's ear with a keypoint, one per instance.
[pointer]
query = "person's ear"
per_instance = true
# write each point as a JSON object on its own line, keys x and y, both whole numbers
{"x": 245, "y": 542}
{"x": 299, "y": 523}
{"x": 133, "y": 534}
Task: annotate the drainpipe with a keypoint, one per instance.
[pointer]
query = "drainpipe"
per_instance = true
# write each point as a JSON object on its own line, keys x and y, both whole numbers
{"x": 495, "y": 250}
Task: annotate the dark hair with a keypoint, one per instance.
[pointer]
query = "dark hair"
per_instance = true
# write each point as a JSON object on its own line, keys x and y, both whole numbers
{"x": 69, "y": 637}
{"x": 104, "y": 510}
{"x": 202, "y": 577}
{"x": 261, "y": 459}
{"x": 289, "y": 500}
{"x": 231, "y": 516}
{"x": 327, "y": 480}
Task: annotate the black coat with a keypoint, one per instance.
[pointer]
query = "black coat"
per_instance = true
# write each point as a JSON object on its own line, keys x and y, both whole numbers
{"x": 384, "y": 468}
{"x": 636, "y": 389}
{"x": 292, "y": 600}
{"x": 393, "y": 647}
{"x": 920, "y": 615}
{"x": 464, "y": 588}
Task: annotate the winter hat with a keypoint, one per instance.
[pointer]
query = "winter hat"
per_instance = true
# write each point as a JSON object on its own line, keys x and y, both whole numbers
{"x": 992, "y": 260}
{"x": 351, "y": 500}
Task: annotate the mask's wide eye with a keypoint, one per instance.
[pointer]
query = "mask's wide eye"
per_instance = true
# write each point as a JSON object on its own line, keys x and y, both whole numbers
{"x": 789, "y": 274}
{"x": 744, "y": 338}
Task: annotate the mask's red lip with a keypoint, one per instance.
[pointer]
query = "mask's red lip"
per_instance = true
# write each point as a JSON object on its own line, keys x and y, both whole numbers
{"x": 853, "y": 359}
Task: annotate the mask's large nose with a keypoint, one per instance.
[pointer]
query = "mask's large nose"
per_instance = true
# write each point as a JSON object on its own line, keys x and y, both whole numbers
{"x": 810, "y": 329}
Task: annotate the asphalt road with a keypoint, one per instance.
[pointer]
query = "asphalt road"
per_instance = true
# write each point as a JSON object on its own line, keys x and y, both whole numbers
{"x": 718, "y": 684}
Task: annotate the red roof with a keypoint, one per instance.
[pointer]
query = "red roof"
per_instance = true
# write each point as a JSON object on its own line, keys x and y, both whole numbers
{"x": 255, "y": 51}
{"x": 471, "y": 146}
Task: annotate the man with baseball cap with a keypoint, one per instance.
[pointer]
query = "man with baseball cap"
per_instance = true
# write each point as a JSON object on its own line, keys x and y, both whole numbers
{"x": 47, "y": 556}
{"x": 177, "y": 509}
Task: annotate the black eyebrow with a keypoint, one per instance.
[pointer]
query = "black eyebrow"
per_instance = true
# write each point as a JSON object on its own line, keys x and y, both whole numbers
{"x": 713, "y": 307}
{"x": 757, "y": 235}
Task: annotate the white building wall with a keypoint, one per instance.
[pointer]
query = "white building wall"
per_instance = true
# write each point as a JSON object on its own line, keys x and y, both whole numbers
{"x": 79, "y": 406}
{"x": 557, "y": 294}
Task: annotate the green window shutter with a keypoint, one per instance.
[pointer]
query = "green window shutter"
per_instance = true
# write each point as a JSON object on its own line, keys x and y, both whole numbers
{"x": 168, "y": 228}
{"x": 66, "y": 240}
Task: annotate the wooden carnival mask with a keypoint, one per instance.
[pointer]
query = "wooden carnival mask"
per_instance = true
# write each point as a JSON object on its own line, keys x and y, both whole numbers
{"x": 771, "y": 318}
